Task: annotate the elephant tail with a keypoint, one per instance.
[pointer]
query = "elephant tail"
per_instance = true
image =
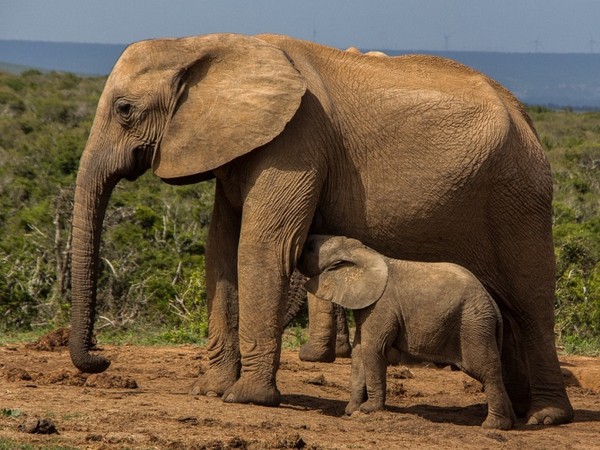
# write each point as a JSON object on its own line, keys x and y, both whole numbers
{"x": 296, "y": 297}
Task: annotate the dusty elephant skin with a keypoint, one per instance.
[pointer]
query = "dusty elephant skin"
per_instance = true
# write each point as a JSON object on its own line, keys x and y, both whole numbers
{"x": 416, "y": 156}
{"x": 437, "y": 312}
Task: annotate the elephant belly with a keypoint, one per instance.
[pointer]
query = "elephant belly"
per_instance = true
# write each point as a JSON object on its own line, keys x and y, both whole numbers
{"x": 405, "y": 230}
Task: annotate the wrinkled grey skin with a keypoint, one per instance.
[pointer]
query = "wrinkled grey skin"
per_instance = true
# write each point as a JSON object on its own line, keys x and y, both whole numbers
{"x": 416, "y": 156}
{"x": 436, "y": 312}
{"x": 328, "y": 336}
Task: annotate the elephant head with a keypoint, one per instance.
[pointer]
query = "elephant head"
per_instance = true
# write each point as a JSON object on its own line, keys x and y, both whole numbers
{"x": 182, "y": 107}
{"x": 343, "y": 271}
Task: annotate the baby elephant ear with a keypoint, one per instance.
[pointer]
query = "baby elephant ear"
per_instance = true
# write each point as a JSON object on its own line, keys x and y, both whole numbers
{"x": 236, "y": 93}
{"x": 355, "y": 282}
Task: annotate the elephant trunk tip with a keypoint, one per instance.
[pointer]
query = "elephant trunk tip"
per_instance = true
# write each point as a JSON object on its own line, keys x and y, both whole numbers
{"x": 88, "y": 363}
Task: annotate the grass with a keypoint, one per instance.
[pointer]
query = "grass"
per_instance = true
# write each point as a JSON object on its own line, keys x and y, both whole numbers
{"x": 21, "y": 337}
{"x": 135, "y": 335}
{"x": 7, "y": 444}
{"x": 12, "y": 413}
{"x": 574, "y": 345}
{"x": 148, "y": 335}
{"x": 293, "y": 338}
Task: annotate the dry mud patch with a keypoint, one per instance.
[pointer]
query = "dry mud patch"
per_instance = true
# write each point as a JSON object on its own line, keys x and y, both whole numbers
{"x": 142, "y": 401}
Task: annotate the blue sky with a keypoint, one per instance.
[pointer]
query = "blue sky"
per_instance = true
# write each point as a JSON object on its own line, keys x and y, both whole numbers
{"x": 560, "y": 26}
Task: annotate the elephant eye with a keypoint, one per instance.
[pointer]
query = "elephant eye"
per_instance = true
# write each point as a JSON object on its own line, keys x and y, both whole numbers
{"x": 124, "y": 109}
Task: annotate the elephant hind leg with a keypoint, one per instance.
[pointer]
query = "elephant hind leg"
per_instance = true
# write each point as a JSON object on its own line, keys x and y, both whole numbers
{"x": 322, "y": 335}
{"x": 549, "y": 403}
{"x": 525, "y": 295}
{"x": 328, "y": 336}
{"x": 221, "y": 285}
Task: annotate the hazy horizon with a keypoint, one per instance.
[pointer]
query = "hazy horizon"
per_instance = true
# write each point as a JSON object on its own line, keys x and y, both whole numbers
{"x": 401, "y": 50}
{"x": 511, "y": 26}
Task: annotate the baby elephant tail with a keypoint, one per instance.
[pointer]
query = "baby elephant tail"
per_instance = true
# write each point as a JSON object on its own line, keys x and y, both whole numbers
{"x": 499, "y": 325}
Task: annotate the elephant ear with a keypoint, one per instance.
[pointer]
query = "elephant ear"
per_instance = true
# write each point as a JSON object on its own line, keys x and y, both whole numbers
{"x": 236, "y": 93}
{"x": 354, "y": 282}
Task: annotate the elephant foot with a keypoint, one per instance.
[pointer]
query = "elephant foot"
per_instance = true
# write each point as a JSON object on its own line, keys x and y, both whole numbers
{"x": 550, "y": 415}
{"x": 317, "y": 353}
{"x": 215, "y": 381}
{"x": 497, "y": 422}
{"x": 352, "y": 407}
{"x": 371, "y": 406}
{"x": 343, "y": 349}
{"x": 257, "y": 392}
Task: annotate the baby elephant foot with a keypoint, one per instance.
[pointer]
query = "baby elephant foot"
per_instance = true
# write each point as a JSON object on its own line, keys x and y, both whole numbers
{"x": 497, "y": 422}
{"x": 255, "y": 391}
{"x": 215, "y": 381}
{"x": 371, "y": 406}
{"x": 351, "y": 407}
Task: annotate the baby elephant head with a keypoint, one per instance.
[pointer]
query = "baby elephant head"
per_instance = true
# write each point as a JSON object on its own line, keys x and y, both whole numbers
{"x": 343, "y": 270}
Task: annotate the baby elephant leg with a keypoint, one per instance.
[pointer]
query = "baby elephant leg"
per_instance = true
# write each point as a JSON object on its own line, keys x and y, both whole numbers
{"x": 500, "y": 412}
{"x": 375, "y": 365}
{"x": 488, "y": 370}
{"x": 358, "y": 387}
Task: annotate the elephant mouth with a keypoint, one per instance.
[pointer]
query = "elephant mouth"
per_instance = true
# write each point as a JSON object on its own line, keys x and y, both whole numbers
{"x": 142, "y": 158}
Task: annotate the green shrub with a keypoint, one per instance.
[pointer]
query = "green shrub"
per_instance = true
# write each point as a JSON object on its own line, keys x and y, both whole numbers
{"x": 575, "y": 158}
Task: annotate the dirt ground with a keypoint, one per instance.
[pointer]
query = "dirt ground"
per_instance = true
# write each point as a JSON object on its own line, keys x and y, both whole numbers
{"x": 142, "y": 401}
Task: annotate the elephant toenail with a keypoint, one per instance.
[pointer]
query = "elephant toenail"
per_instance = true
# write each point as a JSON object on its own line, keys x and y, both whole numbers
{"x": 532, "y": 421}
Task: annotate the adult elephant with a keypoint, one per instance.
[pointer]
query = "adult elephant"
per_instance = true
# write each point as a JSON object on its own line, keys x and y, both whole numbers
{"x": 418, "y": 157}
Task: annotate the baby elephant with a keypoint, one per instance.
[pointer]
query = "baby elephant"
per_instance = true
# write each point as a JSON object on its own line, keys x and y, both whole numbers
{"x": 437, "y": 312}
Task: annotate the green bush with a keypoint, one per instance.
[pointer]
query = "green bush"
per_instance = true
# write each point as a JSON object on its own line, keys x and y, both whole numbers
{"x": 574, "y": 154}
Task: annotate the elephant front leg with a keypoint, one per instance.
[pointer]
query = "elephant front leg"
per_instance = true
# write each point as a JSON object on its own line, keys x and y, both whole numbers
{"x": 262, "y": 290}
{"x": 277, "y": 213}
{"x": 222, "y": 293}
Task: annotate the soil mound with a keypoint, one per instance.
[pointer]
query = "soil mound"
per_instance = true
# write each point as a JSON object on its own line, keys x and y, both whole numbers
{"x": 54, "y": 340}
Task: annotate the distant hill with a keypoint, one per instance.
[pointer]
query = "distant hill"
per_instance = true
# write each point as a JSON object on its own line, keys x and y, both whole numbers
{"x": 15, "y": 68}
{"x": 550, "y": 79}
{"x": 82, "y": 59}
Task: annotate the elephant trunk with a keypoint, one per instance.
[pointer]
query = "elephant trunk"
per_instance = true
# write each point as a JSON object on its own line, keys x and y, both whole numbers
{"x": 93, "y": 189}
